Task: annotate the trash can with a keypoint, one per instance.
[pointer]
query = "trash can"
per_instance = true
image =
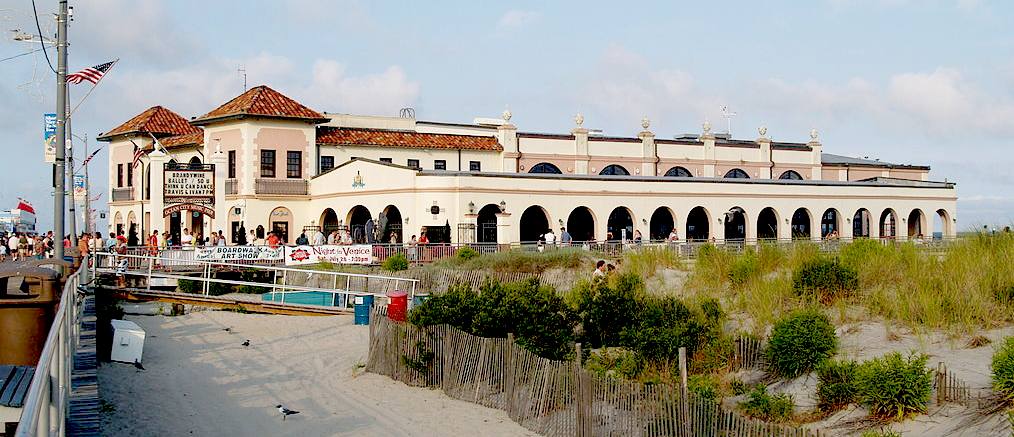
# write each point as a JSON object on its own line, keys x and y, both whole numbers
{"x": 27, "y": 313}
{"x": 397, "y": 308}
{"x": 128, "y": 341}
{"x": 364, "y": 304}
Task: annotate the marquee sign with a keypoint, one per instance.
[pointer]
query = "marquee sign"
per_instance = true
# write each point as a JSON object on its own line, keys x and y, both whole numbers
{"x": 189, "y": 187}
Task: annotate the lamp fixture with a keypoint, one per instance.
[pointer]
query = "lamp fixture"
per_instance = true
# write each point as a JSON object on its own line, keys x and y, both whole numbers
{"x": 471, "y": 207}
{"x": 503, "y": 206}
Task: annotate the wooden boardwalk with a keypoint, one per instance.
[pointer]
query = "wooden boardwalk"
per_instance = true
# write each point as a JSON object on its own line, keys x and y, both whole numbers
{"x": 219, "y": 302}
{"x": 84, "y": 397}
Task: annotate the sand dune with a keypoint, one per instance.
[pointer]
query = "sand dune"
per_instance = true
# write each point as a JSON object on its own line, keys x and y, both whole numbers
{"x": 201, "y": 381}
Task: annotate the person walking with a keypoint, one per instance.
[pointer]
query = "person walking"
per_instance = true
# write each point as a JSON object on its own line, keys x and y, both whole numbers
{"x": 565, "y": 238}
{"x": 12, "y": 245}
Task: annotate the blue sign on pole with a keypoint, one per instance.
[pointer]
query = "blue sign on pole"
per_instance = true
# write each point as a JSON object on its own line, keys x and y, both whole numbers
{"x": 49, "y": 136}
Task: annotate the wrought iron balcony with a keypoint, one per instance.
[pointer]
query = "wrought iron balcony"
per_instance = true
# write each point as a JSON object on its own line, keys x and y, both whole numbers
{"x": 231, "y": 186}
{"x": 291, "y": 187}
{"x": 123, "y": 194}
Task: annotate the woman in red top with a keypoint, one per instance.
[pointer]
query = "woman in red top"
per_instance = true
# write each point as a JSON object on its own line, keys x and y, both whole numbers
{"x": 273, "y": 240}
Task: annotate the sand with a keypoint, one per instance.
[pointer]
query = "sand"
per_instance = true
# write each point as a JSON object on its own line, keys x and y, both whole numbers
{"x": 199, "y": 380}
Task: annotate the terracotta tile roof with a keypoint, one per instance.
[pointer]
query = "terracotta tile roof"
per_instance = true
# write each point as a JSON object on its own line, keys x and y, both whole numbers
{"x": 337, "y": 136}
{"x": 261, "y": 101}
{"x": 195, "y": 139}
{"x": 156, "y": 120}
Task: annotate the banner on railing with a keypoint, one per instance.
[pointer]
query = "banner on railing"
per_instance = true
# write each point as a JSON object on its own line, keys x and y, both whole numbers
{"x": 239, "y": 253}
{"x": 355, "y": 254}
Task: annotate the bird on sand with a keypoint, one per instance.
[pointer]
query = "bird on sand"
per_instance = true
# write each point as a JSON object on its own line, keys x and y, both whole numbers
{"x": 138, "y": 366}
{"x": 285, "y": 411}
{"x": 246, "y": 343}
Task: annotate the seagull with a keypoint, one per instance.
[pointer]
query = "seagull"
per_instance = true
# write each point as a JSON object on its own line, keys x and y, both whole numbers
{"x": 229, "y": 329}
{"x": 246, "y": 343}
{"x": 285, "y": 411}
{"x": 138, "y": 366}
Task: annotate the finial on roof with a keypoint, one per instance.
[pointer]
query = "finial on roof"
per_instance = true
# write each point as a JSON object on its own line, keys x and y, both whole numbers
{"x": 763, "y": 131}
{"x": 707, "y": 127}
{"x": 506, "y": 114}
{"x": 645, "y": 123}
{"x": 578, "y": 119}
{"x": 813, "y": 135}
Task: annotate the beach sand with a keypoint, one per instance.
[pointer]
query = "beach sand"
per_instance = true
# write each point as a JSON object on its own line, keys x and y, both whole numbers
{"x": 200, "y": 380}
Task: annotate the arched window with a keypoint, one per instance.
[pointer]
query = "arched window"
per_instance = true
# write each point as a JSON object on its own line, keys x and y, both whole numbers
{"x": 736, "y": 174}
{"x": 195, "y": 163}
{"x": 615, "y": 170}
{"x": 791, "y": 175}
{"x": 678, "y": 172}
{"x": 545, "y": 167}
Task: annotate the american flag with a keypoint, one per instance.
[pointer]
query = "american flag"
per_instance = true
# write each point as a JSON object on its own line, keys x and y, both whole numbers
{"x": 91, "y": 74}
{"x": 89, "y": 158}
{"x": 138, "y": 153}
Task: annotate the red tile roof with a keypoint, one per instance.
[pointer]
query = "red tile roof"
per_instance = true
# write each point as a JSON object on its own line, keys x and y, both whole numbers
{"x": 195, "y": 139}
{"x": 156, "y": 120}
{"x": 261, "y": 101}
{"x": 337, "y": 136}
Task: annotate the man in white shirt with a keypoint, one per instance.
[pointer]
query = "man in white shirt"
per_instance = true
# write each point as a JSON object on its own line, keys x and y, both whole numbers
{"x": 318, "y": 238}
{"x": 550, "y": 237}
{"x": 12, "y": 244}
{"x": 187, "y": 239}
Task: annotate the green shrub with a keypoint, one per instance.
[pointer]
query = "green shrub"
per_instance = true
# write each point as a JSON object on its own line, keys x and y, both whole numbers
{"x": 705, "y": 386}
{"x": 825, "y": 279}
{"x": 714, "y": 355}
{"x": 1004, "y": 294}
{"x": 664, "y": 324}
{"x": 607, "y": 308}
{"x": 395, "y": 263}
{"x": 799, "y": 342}
{"x": 744, "y": 268}
{"x": 188, "y": 286}
{"x": 894, "y": 386}
{"x": 836, "y": 387}
{"x": 738, "y": 387}
{"x": 613, "y": 362}
{"x": 1003, "y": 369}
{"x": 456, "y": 307}
{"x": 764, "y": 406}
{"x": 466, "y": 253}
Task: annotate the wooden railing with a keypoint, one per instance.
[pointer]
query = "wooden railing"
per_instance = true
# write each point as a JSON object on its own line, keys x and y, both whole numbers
{"x": 292, "y": 187}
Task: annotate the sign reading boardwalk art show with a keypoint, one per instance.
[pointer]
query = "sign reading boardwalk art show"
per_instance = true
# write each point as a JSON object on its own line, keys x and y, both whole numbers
{"x": 189, "y": 188}
{"x": 239, "y": 253}
{"x": 355, "y": 254}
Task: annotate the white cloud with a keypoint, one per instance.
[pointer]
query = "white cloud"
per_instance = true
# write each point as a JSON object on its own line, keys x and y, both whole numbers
{"x": 516, "y": 18}
{"x": 332, "y": 89}
{"x": 138, "y": 32}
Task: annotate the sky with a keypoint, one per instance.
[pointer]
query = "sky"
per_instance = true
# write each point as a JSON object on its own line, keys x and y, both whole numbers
{"x": 906, "y": 81}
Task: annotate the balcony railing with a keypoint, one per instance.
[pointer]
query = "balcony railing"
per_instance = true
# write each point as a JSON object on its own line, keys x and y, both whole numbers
{"x": 231, "y": 186}
{"x": 293, "y": 187}
{"x": 122, "y": 194}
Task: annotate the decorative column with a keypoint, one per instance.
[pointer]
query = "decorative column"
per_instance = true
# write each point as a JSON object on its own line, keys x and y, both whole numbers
{"x": 765, "y": 152}
{"x": 815, "y": 146}
{"x": 156, "y": 165}
{"x": 845, "y": 233}
{"x": 221, "y": 163}
{"x": 709, "y": 151}
{"x": 507, "y": 135}
{"x": 504, "y": 232}
{"x": 649, "y": 152}
{"x": 581, "y": 156}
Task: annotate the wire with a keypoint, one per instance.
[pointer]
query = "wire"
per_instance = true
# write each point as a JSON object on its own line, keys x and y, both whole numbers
{"x": 18, "y": 56}
{"x": 42, "y": 41}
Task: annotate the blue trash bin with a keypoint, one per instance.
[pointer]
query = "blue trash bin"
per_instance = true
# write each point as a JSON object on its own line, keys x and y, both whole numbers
{"x": 364, "y": 304}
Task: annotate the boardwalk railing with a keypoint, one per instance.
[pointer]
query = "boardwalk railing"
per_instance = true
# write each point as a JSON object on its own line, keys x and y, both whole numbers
{"x": 553, "y": 398}
{"x": 47, "y": 403}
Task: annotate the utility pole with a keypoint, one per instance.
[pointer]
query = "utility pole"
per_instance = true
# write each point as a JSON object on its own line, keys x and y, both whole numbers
{"x": 88, "y": 194}
{"x": 72, "y": 213}
{"x": 61, "y": 130}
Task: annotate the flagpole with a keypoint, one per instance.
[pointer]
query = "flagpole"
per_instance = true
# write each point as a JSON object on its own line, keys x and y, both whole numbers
{"x": 72, "y": 111}
{"x": 72, "y": 207}
{"x": 88, "y": 193}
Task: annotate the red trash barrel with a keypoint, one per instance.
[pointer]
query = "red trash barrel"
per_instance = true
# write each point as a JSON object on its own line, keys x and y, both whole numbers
{"x": 397, "y": 308}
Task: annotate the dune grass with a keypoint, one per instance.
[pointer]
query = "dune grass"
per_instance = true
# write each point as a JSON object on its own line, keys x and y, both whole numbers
{"x": 522, "y": 260}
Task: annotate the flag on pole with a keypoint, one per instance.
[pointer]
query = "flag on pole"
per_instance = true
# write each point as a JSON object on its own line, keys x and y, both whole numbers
{"x": 138, "y": 153}
{"x": 25, "y": 206}
{"x": 91, "y": 74}
{"x": 89, "y": 158}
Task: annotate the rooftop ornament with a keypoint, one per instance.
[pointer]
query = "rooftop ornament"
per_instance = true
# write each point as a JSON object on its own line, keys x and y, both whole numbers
{"x": 707, "y": 127}
{"x": 506, "y": 115}
{"x": 813, "y": 135}
{"x": 763, "y": 131}
{"x": 645, "y": 123}
{"x": 578, "y": 119}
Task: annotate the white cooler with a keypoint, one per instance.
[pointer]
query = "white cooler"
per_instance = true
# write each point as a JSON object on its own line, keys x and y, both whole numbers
{"x": 128, "y": 341}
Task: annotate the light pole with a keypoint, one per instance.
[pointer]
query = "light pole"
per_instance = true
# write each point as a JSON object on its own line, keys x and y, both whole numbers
{"x": 87, "y": 187}
{"x": 61, "y": 129}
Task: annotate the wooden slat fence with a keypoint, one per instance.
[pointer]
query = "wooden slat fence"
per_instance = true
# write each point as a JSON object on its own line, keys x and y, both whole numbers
{"x": 553, "y": 398}
{"x": 749, "y": 353}
{"x": 949, "y": 388}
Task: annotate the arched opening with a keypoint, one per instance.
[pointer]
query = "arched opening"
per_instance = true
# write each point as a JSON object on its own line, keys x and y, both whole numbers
{"x": 614, "y": 170}
{"x": 329, "y": 221}
{"x": 662, "y": 223}
{"x": 357, "y": 219}
{"x": 390, "y": 224}
{"x": 195, "y": 162}
{"x": 800, "y": 223}
{"x": 678, "y": 172}
{"x": 620, "y": 224}
{"x": 767, "y": 224}
{"x": 534, "y": 223}
{"x": 147, "y": 182}
{"x": 485, "y": 224}
{"x": 941, "y": 224}
{"x": 118, "y": 223}
{"x": 888, "y": 224}
{"x": 791, "y": 175}
{"x": 861, "y": 224}
{"x": 281, "y": 223}
{"x": 915, "y": 224}
{"x": 735, "y": 224}
{"x": 736, "y": 174}
{"x": 698, "y": 224}
{"x": 581, "y": 224}
{"x": 545, "y": 167}
{"x": 830, "y": 225}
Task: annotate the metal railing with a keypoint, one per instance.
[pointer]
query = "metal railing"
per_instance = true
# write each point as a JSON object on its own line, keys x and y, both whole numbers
{"x": 231, "y": 186}
{"x": 122, "y": 194}
{"x": 47, "y": 403}
{"x": 284, "y": 280}
{"x": 294, "y": 187}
